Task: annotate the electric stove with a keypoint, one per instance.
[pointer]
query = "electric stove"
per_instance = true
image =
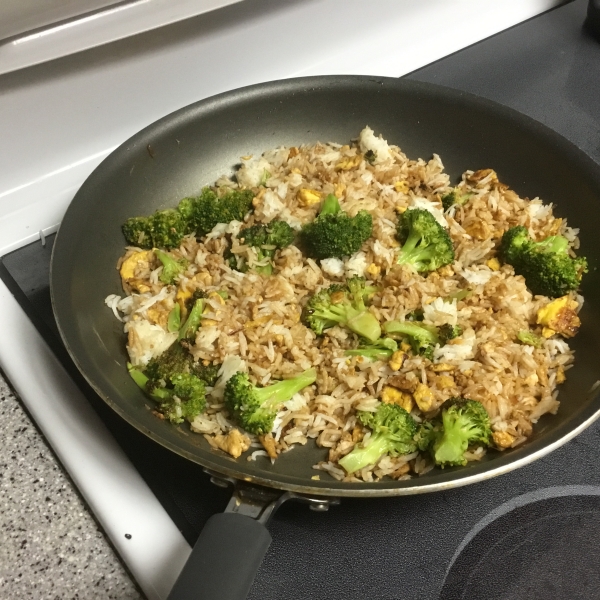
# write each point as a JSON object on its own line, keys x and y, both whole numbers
{"x": 533, "y": 533}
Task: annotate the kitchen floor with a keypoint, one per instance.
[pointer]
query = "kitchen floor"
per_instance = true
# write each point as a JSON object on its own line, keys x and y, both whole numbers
{"x": 51, "y": 546}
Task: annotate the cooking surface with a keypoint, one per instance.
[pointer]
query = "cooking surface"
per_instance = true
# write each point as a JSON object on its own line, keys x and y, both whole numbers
{"x": 401, "y": 547}
{"x": 377, "y": 547}
{"x": 549, "y": 547}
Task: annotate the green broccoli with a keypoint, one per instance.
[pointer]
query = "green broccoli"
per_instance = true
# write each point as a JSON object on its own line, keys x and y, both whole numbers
{"x": 370, "y": 156}
{"x": 172, "y": 267}
{"x": 189, "y": 328}
{"x": 343, "y": 305}
{"x": 463, "y": 423}
{"x": 458, "y": 296}
{"x": 426, "y": 435}
{"x": 186, "y": 207}
{"x": 255, "y": 408}
{"x": 422, "y": 338}
{"x": 138, "y": 232}
{"x": 415, "y": 315}
{"x": 530, "y": 339}
{"x": 393, "y": 431}
{"x": 455, "y": 198}
{"x": 163, "y": 229}
{"x": 426, "y": 245}
{"x": 448, "y": 332}
{"x": 174, "y": 319}
{"x": 184, "y": 399}
{"x": 382, "y": 349}
{"x": 168, "y": 228}
{"x": 546, "y": 265}
{"x": 176, "y": 359}
{"x": 208, "y": 210}
{"x": 334, "y": 233}
{"x": 267, "y": 239}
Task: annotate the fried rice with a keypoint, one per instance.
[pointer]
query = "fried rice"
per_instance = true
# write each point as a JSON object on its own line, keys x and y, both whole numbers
{"x": 259, "y": 328}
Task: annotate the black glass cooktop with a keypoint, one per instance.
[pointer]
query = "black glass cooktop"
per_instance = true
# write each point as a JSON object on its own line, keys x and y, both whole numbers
{"x": 534, "y": 533}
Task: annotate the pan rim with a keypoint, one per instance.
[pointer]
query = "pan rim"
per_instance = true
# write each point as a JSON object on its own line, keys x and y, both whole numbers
{"x": 586, "y": 418}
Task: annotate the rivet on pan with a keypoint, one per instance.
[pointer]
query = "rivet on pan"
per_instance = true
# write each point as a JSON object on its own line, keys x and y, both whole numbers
{"x": 319, "y": 507}
{"x": 219, "y": 482}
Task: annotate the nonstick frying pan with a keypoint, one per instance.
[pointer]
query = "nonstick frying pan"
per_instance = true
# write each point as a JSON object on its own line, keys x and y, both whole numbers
{"x": 179, "y": 154}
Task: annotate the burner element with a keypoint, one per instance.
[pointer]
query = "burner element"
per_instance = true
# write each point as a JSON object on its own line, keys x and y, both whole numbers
{"x": 549, "y": 549}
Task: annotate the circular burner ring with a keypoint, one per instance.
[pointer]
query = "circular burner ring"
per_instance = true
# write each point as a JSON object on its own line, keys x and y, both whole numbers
{"x": 548, "y": 550}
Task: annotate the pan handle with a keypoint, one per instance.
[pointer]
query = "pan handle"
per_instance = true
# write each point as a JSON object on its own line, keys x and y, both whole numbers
{"x": 232, "y": 545}
{"x": 224, "y": 560}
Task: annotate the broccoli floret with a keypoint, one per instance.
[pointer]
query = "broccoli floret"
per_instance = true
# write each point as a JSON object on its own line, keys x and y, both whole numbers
{"x": 168, "y": 228}
{"x": 448, "y": 332}
{"x": 255, "y": 408}
{"x": 184, "y": 399}
{"x": 422, "y": 338}
{"x": 530, "y": 339}
{"x": 334, "y": 233}
{"x": 138, "y": 232}
{"x": 426, "y": 435}
{"x": 382, "y": 349}
{"x": 209, "y": 210}
{"x": 267, "y": 239}
{"x": 343, "y": 305}
{"x": 186, "y": 208}
{"x": 546, "y": 265}
{"x": 426, "y": 245}
{"x": 188, "y": 399}
{"x": 208, "y": 373}
{"x": 463, "y": 423}
{"x": 172, "y": 267}
{"x": 455, "y": 197}
{"x": 175, "y": 360}
{"x": 393, "y": 432}
{"x": 164, "y": 229}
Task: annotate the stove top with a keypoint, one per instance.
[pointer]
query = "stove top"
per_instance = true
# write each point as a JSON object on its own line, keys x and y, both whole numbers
{"x": 532, "y": 533}
{"x": 540, "y": 523}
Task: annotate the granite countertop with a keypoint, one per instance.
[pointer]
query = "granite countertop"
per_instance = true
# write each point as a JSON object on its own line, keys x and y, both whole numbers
{"x": 52, "y": 548}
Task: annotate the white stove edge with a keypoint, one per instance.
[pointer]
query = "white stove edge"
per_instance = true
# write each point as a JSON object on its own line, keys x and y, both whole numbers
{"x": 96, "y": 28}
{"x": 114, "y": 490}
{"x": 35, "y": 199}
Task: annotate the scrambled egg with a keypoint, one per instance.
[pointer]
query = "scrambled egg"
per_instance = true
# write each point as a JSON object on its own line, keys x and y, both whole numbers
{"x": 559, "y": 316}
{"x": 348, "y": 163}
{"x": 397, "y": 360}
{"x": 308, "y": 197}
{"x": 391, "y": 395}
{"x": 127, "y": 270}
{"x": 493, "y": 264}
{"x": 502, "y": 439}
{"x": 423, "y": 397}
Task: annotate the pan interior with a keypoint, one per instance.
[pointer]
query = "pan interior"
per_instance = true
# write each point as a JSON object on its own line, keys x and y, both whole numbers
{"x": 176, "y": 156}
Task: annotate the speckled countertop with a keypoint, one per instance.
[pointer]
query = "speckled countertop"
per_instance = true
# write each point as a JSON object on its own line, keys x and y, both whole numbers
{"x": 50, "y": 546}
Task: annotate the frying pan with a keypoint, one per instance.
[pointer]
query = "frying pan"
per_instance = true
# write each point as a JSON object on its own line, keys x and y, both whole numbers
{"x": 179, "y": 154}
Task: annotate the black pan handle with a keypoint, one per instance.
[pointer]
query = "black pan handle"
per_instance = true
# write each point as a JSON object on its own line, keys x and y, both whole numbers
{"x": 224, "y": 561}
